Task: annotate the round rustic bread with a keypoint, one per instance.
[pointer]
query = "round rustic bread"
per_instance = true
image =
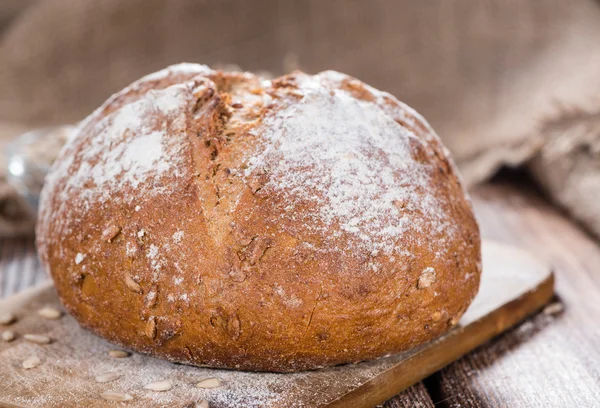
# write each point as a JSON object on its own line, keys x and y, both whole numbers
{"x": 224, "y": 220}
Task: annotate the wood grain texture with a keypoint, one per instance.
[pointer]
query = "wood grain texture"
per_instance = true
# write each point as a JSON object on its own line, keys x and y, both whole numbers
{"x": 416, "y": 396}
{"x": 551, "y": 360}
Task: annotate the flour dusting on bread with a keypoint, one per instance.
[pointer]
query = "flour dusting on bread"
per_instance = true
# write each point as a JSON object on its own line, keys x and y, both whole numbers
{"x": 353, "y": 161}
{"x": 134, "y": 145}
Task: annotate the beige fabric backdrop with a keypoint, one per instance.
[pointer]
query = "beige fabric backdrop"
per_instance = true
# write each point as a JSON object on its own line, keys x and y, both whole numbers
{"x": 503, "y": 81}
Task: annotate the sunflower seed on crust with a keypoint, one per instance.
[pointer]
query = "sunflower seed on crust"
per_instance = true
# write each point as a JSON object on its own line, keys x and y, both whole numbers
{"x": 110, "y": 233}
{"x": 150, "y": 330}
{"x": 427, "y": 278}
{"x": 132, "y": 285}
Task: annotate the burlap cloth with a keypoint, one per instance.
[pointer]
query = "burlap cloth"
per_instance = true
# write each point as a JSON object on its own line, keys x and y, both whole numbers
{"x": 504, "y": 82}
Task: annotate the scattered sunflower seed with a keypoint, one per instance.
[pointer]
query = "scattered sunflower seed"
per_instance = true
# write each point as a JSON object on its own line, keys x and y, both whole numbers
{"x": 31, "y": 362}
{"x": 164, "y": 385}
{"x": 37, "y": 338}
{"x": 116, "y": 396}
{"x": 7, "y": 318}
{"x": 50, "y": 313}
{"x": 209, "y": 383}
{"x": 8, "y": 335}
{"x": 118, "y": 353}
{"x": 107, "y": 377}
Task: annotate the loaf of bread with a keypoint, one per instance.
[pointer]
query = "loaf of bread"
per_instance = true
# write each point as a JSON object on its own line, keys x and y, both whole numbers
{"x": 224, "y": 220}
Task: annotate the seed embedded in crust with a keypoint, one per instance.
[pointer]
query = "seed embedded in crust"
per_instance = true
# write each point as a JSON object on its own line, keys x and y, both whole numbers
{"x": 233, "y": 326}
{"x": 7, "y": 318}
{"x": 209, "y": 383}
{"x": 50, "y": 313}
{"x": 110, "y": 232}
{"x": 118, "y": 353}
{"x": 399, "y": 204}
{"x": 202, "y": 404}
{"x": 37, "y": 338}
{"x": 8, "y": 335}
{"x": 427, "y": 278}
{"x": 132, "y": 285}
{"x": 31, "y": 362}
{"x": 116, "y": 396}
{"x": 436, "y": 316}
{"x": 151, "y": 297}
{"x": 150, "y": 330}
{"x": 164, "y": 385}
{"x": 107, "y": 377}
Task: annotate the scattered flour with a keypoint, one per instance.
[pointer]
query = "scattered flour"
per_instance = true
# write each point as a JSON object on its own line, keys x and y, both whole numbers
{"x": 177, "y": 236}
{"x": 152, "y": 251}
{"x": 130, "y": 249}
{"x": 151, "y": 295}
{"x": 291, "y": 301}
{"x": 156, "y": 261}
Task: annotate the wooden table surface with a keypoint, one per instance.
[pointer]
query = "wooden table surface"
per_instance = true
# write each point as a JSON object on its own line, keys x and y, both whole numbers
{"x": 550, "y": 360}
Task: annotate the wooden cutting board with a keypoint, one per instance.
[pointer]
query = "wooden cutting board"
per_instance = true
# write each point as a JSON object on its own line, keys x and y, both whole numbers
{"x": 514, "y": 285}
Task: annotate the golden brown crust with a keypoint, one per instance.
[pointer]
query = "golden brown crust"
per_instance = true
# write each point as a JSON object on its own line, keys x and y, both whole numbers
{"x": 216, "y": 219}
